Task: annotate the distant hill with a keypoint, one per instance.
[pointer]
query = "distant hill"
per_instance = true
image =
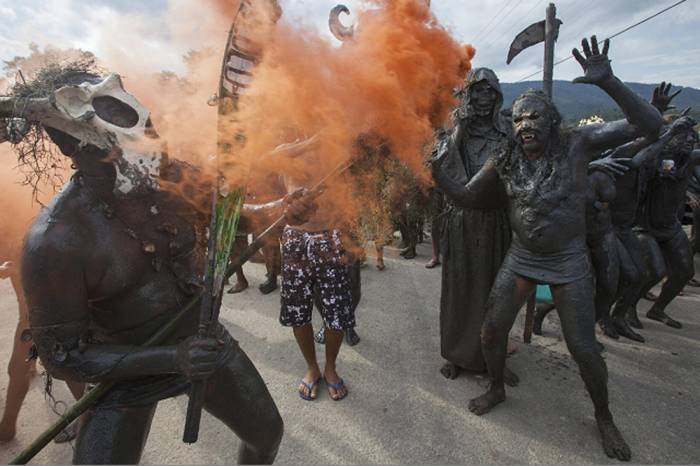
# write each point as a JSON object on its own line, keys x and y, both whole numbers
{"x": 576, "y": 101}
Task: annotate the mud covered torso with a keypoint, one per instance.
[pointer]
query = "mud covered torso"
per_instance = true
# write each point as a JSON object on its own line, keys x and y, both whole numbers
{"x": 547, "y": 213}
{"x": 146, "y": 258}
{"x": 548, "y": 218}
{"x": 665, "y": 196}
{"x": 625, "y": 208}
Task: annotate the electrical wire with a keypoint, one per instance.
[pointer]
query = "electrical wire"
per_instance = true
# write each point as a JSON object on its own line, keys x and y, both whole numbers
{"x": 610, "y": 37}
{"x": 478, "y": 34}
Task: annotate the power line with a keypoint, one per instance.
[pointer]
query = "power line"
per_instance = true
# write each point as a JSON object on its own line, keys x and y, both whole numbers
{"x": 491, "y": 43}
{"x": 492, "y": 20}
{"x": 526, "y": 15}
{"x": 611, "y": 37}
{"x": 503, "y": 18}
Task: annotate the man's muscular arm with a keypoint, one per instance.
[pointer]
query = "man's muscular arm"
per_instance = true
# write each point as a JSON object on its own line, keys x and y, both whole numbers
{"x": 649, "y": 155}
{"x": 642, "y": 119}
{"x": 53, "y": 278}
{"x": 644, "y": 152}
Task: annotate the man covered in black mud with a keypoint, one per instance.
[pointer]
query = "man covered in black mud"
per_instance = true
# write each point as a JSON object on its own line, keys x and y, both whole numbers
{"x": 113, "y": 257}
{"x": 545, "y": 173}
{"x": 615, "y": 186}
{"x": 666, "y": 246}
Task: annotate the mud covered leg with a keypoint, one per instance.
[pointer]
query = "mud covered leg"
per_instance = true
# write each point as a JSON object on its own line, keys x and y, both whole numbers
{"x": 508, "y": 294}
{"x": 577, "y": 314}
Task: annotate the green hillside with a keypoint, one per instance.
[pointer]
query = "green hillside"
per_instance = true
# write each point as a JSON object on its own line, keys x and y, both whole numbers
{"x": 576, "y": 101}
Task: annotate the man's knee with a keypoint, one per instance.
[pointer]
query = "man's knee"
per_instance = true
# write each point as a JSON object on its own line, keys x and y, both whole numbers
{"x": 686, "y": 271}
{"x": 584, "y": 353}
{"x": 268, "y": 436}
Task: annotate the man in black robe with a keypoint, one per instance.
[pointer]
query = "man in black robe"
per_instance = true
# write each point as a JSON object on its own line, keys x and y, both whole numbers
{"x": 474, "y": 241}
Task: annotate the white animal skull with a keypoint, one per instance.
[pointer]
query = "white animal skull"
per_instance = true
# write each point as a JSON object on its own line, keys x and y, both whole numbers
{"x": 105, "y": 115}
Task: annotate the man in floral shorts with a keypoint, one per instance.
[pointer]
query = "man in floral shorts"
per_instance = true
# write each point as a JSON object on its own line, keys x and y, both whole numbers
{"x": 311, "y": 258}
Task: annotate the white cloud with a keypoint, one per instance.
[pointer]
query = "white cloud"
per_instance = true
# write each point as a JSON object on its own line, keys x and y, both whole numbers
{"x": 661, "y": 49}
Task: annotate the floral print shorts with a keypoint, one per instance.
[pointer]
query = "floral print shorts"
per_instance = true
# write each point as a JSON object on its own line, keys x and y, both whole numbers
{"x": 312, "y": 260}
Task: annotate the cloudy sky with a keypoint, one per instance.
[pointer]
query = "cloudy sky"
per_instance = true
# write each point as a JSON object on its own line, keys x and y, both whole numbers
{"x": 665, "y": 48}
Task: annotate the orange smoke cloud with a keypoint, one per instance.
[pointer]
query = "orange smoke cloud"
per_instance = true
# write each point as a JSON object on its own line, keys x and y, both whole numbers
{"x": 394, "y": 79}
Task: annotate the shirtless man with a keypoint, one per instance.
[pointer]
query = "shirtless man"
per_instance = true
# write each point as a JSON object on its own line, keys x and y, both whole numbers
{"x": 112, "y": 258}
{"x": 614, "y": 182}
{"x": 545, "y": 173}
{"x": 666, "y": 245}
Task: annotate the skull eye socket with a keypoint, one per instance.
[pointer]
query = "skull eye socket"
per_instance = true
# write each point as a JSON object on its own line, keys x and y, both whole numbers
{"x": 115, "y": 111}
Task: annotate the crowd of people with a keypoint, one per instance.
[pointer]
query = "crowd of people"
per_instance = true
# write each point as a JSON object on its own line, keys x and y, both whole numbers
{"x": 519, "y": 201}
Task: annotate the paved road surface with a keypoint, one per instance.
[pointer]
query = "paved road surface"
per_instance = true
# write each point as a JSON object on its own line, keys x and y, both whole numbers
{"x": 400, "y": 410}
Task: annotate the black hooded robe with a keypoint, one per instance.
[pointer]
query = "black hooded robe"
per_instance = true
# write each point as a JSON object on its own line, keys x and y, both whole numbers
{"x": 473, "y": 242}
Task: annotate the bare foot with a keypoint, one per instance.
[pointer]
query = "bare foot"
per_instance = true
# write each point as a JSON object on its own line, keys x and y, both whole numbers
{"x": 484, "y": 403}
{"x": 336, "y": 387}
{"x": 308, "y": 387}
{"x": 410, "y": 253}
{"x": 661, "y": 316}
{"x": 450, "y": 371}
{"x": 623, "y": 328}
{"x": 434, "y": 262}
{"x": 268, "y": 286}
{"x": 510, "y": 378}
{"x": 613, "y": 443}
{"x": 380, "y": 265}
{"x": 238, "y": 287}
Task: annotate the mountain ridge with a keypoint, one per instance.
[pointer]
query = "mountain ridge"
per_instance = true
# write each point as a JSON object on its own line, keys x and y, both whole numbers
{"x": 577, "y": 101}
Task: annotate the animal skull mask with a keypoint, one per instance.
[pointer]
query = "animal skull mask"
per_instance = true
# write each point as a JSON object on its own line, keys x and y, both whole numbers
{"x": 102, "y": 113}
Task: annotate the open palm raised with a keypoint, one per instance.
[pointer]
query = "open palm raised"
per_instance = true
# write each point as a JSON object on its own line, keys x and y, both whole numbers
{"x": 596, "y": 65}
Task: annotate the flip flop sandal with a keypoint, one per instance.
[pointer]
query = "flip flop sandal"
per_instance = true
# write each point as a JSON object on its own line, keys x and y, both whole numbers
{"x": 310, "y": 387}
{"x": 337, "y": 387}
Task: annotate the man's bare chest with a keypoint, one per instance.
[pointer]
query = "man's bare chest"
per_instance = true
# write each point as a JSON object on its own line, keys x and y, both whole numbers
{"x": 149, "y": 262}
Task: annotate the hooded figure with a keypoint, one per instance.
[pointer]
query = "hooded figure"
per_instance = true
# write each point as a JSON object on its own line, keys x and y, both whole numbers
{"x": 473, "y": 242}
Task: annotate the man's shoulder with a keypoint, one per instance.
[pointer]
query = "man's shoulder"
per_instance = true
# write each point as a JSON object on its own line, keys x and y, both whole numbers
{"x": 60, "y": 227}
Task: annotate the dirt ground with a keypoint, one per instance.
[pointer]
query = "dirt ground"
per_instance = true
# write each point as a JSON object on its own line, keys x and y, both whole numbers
{"x": 401, "y": 410}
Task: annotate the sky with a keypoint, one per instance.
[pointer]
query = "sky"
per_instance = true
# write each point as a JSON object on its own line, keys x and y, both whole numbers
{"x": 665, "y": 48}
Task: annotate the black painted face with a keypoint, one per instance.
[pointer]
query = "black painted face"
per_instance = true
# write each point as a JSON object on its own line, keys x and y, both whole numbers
{"x": 682, "y": 144}
{"x": 531, "y": 125}
{"x": 483, "y": 98}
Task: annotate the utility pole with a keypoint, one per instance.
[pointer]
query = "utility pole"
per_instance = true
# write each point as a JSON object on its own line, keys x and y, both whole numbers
{"x": 551, "y": 30}
{"x": 546, "y": 31}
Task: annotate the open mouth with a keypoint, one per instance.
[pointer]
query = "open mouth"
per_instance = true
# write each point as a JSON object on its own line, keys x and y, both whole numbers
{"x": 527, "y": 137}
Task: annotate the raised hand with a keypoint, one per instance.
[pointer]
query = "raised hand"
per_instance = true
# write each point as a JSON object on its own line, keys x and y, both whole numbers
{"x": 661, "y": 99}
{"x": 299, "y": 206}
{"x": 596, "y": 65}
{"x": 610, "y": 165}
{"x": 440, "y": 152}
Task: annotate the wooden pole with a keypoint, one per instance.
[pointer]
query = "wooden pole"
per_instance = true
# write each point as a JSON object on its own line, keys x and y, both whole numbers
{"x": 550, "y": 33}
